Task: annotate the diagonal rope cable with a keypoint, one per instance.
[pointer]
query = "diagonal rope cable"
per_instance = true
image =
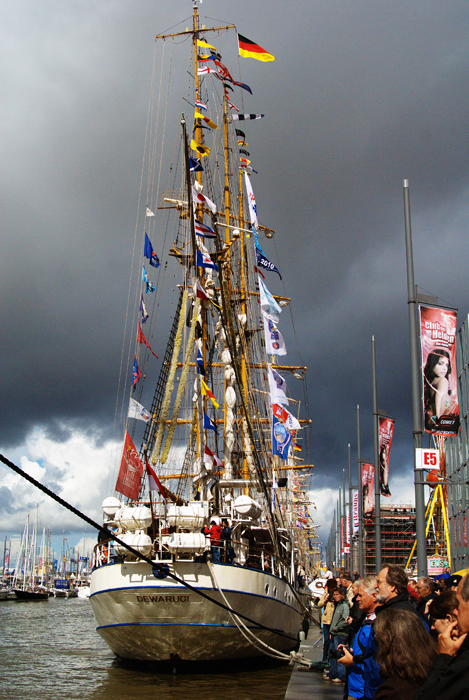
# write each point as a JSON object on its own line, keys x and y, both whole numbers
{"x": 154, "y": 565}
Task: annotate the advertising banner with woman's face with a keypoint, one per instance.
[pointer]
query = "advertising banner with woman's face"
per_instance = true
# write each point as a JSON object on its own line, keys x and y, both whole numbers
{"x": 368, "y": 477}
{"x": 385, "y": 432}
{"x": 440, "y": 390}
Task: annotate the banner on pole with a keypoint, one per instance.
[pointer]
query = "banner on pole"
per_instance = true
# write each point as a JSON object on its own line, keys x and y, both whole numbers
{"x": 368, "y": 477}
{"x": 385, "y": 433}
{"x": 355, "y": 512}
{"x": 440, "y": 392}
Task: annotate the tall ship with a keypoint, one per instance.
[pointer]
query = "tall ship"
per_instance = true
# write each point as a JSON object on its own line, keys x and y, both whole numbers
{"x": 207, "y": 502}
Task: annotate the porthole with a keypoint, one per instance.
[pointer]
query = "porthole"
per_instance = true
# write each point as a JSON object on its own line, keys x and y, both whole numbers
{"x": 275, "y": 591}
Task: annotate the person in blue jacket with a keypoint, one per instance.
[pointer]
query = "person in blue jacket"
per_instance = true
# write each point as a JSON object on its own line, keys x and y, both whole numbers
{"x": 363, "y": 672}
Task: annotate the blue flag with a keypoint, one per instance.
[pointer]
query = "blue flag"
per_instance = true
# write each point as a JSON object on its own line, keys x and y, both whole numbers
{"x": 149, "y": 287}
{"x": 150, "y": 253}
{"x": 200, "y": 364}
{"x": 244, "y": 86}
{"x": 209, "y": 424}
{"x": 205, "y": 261}
{"x": 266, "y": 264}
{"x": 195, "y": 165}
{"x": 136, "y": 372}
{"x": 281, "y": 439}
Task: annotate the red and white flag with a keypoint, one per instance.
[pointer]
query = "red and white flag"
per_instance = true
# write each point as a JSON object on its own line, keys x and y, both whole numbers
{"x": 286, "y": 417}
{"x": 211, "y": 458}
{"x": 154, "y": 484}
{"x": 200, "y": 292}
{"x": 204, "y": 230}
{"x": 200, "y": 198}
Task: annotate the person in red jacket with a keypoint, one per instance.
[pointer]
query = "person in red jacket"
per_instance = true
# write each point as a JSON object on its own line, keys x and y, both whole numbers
{"x": 214, "y": 531}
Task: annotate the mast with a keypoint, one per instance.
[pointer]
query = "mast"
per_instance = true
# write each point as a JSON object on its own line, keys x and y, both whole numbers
{"x": 27, "y": 553}
{"x": 4, "y": 556}
{"x": 34, "y": 548}
{"x": 43, "y": 554}
{"x": 244, "y": 293}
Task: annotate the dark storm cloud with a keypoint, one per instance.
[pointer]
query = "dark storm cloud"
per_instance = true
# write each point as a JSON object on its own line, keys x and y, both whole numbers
{"x": 360, "y": 96}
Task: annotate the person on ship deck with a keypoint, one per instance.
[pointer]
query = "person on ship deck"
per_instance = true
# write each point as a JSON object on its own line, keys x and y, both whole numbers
{"x": 214, "y": 532}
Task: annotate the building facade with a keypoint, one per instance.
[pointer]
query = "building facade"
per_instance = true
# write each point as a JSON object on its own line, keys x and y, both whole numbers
{"x": 457, "y": 459}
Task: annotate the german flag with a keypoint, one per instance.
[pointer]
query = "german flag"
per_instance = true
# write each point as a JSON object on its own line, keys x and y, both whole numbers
{"x": 249, "y": 49}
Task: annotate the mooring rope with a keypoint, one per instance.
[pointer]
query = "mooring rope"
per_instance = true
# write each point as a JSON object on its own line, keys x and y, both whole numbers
{"x": 249, "y": 635}
{"x": 153, "y": 564}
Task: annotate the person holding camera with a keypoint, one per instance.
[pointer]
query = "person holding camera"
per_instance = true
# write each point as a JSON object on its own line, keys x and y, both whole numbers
{"x": 339, "y": 634}
{"x": 363, "y": 672}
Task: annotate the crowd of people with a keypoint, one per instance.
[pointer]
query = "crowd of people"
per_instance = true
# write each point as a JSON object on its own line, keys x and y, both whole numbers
{"x": 386, "y": 637}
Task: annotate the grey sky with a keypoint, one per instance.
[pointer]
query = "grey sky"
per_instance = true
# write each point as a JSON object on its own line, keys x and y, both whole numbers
{"x": 361, "y": 95}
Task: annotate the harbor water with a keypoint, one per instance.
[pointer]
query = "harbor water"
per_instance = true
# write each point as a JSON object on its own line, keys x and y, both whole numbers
{"x": 51, "y": 650}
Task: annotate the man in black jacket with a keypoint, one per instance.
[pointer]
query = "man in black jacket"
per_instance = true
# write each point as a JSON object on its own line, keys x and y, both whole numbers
{"x": 448, "y": 678}
{"x": 424, "y": 588}
{"x": 392, "y": 589}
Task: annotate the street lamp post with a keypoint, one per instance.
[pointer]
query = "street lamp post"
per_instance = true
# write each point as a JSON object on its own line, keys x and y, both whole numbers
{"x": 416, "y": 394}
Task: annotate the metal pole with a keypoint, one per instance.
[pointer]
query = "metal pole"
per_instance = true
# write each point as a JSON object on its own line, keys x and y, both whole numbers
{"x": 377, "y": 466}
{"x": 350, "y": 509}
{"x": 337, "y": 534}
{"x": 333, "y": 542}
{"x": 335, "y": 537}
{"x": 339, "y": 510}
{"x": 360, "y": 499}
{"x": 345, "y": 519}
{"x": 416, "y": 393}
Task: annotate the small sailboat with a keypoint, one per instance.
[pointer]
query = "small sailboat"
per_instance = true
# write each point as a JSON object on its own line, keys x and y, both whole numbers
{"x": 207, "y": 503}
{"x": 30, "y": 571}
{"x": 64, "y": 586}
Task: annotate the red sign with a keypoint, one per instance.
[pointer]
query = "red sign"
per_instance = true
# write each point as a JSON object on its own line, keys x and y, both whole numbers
{"x": 130, "y": 472}
{"x": 427, "y": 458}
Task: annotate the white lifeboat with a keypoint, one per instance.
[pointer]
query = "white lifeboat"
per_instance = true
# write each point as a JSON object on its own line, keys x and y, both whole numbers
{"x": 192, "y": 516}
{"x": 247, "y": 507}
{"x": 133, "y": 518}
{"x": 142, "y": 543}
{"x": 188, "y": 542}
{"x": 110, "y": 506}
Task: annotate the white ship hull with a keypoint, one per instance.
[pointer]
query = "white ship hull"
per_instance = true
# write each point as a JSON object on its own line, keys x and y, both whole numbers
{"x": 145, "y": 618}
